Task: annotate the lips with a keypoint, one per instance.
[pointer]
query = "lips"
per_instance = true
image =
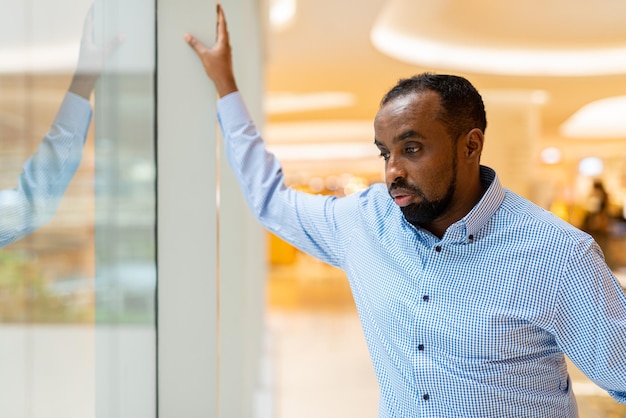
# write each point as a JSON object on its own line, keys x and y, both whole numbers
{"x": 401, "y": 197}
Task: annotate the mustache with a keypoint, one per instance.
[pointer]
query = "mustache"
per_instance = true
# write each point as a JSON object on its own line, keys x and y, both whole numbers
{"x": 404, "y": 185}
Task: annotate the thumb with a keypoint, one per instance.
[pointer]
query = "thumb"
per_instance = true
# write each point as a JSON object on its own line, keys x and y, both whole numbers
{"x": 195, "y": 44}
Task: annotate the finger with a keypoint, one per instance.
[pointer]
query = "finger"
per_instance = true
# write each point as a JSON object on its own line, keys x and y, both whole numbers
{"x": 90, "y": 12}
{"x": 114, "y": 44}
{"x": 222, "y": 28}
{"x": 195, "y": 44}
{"x": 88, "y": 25}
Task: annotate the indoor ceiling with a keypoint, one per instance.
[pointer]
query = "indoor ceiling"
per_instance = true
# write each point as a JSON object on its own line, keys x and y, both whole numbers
{"x": 331, "y": 47}
{"x": 330, "y": 63}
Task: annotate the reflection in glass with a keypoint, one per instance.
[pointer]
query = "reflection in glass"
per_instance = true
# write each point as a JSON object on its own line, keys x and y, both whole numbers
{"x": 77, "y": 334}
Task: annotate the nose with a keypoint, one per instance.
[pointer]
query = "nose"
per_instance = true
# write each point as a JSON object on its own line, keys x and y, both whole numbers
{"x": 394, "y": 170}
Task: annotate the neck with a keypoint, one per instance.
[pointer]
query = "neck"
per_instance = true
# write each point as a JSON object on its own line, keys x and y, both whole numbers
{"x": 464, "y": 203}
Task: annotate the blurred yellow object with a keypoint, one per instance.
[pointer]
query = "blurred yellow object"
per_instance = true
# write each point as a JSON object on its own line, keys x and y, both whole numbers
{"x": 559, "y": 208}
{"x": 280, "y": 251}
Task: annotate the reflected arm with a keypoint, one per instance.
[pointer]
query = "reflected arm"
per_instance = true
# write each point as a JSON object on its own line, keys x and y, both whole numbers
{"x": 47, "y": 173}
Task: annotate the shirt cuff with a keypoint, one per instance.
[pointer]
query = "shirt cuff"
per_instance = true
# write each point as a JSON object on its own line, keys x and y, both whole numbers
{"x": 232, "y": 111}
{"x": 75, "y": 112}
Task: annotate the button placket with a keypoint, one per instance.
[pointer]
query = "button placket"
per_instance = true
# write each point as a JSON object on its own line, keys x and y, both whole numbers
{"x": 422, "y": 359}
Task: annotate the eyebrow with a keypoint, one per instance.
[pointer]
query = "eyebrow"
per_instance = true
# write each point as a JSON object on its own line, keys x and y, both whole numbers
{"x": 403, "y": 137}
{"x": 408, "y": 134}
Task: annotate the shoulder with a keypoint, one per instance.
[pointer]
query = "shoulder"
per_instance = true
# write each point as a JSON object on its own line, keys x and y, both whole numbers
{"x": 521, "y": 216}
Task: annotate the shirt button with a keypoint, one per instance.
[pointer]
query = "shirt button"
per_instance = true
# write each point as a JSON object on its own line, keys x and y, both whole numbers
{"x": 420, "y": 347}
{"x": 426, "y": 397}
{"x": 425, "y": 298}
{"x": 438, "y": 248}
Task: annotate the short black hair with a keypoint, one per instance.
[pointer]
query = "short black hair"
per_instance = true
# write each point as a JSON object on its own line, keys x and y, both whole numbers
{"x": 463, "y": 107}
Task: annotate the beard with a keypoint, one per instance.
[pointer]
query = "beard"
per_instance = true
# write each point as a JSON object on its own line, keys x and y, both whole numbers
{"x": 427, "y": 210}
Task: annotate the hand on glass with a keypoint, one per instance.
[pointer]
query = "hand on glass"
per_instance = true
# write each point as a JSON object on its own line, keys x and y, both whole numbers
{"x": 91, "y": 58}
{"x": 217, "y": 61}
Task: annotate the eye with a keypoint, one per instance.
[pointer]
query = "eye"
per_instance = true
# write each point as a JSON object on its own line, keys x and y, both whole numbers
{"x": 384, "y": 155}
{"x": 411, "y": 150}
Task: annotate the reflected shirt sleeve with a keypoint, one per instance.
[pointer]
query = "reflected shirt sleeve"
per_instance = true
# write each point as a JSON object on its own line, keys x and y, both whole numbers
{"x": 47, "y": 173}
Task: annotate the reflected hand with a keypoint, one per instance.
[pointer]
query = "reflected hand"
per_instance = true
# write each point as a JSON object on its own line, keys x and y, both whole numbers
{"x": 91, "y": 58}
{"x": 217, "y": 61}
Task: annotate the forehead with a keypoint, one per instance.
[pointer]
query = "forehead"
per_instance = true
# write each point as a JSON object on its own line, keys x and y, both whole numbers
{"x": 417, "y": 110}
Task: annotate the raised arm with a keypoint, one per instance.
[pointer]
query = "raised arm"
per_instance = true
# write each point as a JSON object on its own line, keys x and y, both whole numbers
{"x": 48, "y": 172}
{"x": 318, "y": 225}
{"x": 217, "y": 61}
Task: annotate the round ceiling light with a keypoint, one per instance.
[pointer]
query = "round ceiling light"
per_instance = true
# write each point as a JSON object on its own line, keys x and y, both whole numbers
{"x": 534, "y": 37}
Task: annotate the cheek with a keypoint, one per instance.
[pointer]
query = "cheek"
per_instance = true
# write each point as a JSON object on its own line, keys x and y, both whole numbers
{"x": 433, "y": 181}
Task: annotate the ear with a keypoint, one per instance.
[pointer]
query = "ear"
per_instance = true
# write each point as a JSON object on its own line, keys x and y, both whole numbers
{"x": 473, "y": 144}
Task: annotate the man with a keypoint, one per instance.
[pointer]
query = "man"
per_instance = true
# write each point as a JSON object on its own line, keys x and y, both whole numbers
{"x": 48, "y": 172}
{"x": 468, "y": 294}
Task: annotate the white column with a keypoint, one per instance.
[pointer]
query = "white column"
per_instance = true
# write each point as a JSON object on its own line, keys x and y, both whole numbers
{"x": 512, "y": 135}
{"x": 187, "y": 220}
{"x": 242, "y": 251}
{"x": 210, "y": 318}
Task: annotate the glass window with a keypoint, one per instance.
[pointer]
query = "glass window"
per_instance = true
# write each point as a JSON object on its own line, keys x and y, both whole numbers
{"x": 77, "y": 284}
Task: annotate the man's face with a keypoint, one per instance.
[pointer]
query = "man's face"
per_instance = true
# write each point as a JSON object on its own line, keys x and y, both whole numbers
{"x": 420, "y": 156}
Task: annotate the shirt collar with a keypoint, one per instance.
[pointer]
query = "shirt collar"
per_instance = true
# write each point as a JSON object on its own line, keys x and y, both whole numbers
{"x": 487, "y": 206}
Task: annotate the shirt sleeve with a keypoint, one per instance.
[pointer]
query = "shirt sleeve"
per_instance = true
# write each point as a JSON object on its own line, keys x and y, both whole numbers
{"x": 318, "y": 225}
{"x": 590, "y": 319}
{"x": 47, "y": 173}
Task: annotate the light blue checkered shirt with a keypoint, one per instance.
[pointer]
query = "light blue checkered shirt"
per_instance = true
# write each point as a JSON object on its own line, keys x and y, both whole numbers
{"x": 46, "y": 175}
{"x": 475, "y": 324}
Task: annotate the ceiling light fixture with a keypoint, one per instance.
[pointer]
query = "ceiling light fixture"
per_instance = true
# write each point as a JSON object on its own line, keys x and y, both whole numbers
{"x": 600, "y": 119}
{"x": 324, "y": 152}
{"x": 279, "y": 102}
{"x": 551, "y": 155}
{"x": 282, "y": 13}
{"x": 432, "y": 53}
{"x": 321, "y": 131}
{"x": 591, "y": 166}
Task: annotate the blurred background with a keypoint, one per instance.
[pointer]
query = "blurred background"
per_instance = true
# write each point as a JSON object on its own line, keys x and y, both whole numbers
{"x": 78, "y": 314}
{"x": 553, "y": 78}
